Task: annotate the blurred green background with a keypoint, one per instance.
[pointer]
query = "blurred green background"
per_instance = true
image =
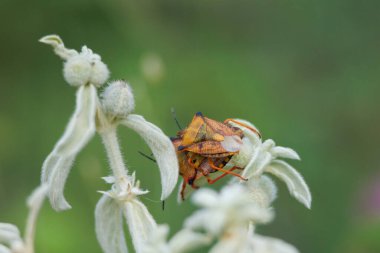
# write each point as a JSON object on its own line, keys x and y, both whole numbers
{"x": 305, "y": 72}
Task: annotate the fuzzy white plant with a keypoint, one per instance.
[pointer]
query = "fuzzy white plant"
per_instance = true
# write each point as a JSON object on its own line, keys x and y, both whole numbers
{"x": 231, "y": 216}
{"x": 227, "y": 218}
{"x": 86, "y": 71}
{"x": 225, "y": 222}
{"x": 257, "y": 157}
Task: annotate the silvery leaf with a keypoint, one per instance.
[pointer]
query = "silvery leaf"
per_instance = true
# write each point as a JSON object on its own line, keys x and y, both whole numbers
{"x": 59, "y": 48}
{"x": 294, "y": 181}
{"x": 78, "y": 132}
{"x": 162, "y": 148}
{"x": 109, "y": 226}
{"x": 140, "y": 223}
{"x": 283, "y": 152}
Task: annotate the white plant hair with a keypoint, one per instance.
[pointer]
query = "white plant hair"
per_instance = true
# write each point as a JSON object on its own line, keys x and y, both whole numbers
{"x": 225, "y": 221}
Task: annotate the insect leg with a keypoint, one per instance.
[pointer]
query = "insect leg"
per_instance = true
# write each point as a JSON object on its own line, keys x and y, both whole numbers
{"x": 225, "y": 171}
{"x": 212, "y": 181}
{"x": 191, "y": 180}
{"x": 184, "y": 183}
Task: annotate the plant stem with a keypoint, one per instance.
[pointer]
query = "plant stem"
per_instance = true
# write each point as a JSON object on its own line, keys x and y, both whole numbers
{"x": 35, "y": 202}
{"x": 111, "y": 144}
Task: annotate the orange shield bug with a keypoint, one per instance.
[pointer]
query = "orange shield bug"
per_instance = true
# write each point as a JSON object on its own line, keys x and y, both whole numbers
{"x": 205, "y": 147}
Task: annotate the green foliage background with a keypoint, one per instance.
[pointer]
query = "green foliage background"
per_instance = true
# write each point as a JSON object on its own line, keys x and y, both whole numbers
{"x": 305, "y": 72}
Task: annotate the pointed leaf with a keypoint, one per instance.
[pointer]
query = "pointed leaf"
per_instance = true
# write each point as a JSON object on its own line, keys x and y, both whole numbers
{"x": 256, "y": 164}
{"x": 263, "y": 159}
{"x": 52, "y": 39}
{"x": 140, "y": 223}
{"x": 109, "y": 226}
{"x": 294, "y": 181}
{"x": 78, "y": 132}
{"x": 162, "y": 148}
{"x": 57, "y": 183}
{"x": 59, "y": 48}
{"x": 283, "y": 152}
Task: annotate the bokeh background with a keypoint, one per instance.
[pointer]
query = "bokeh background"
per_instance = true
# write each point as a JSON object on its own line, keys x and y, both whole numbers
{"x": 305, "y": 72}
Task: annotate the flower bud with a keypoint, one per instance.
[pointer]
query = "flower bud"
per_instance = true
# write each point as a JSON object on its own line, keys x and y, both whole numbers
{"x": 85, "y": 68}
{"x": 77, "y": 70}
{"x": 99, "y": 73}
{"x": 118, "y": 100}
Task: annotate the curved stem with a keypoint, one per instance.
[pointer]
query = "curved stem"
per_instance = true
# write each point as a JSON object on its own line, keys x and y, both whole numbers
{"x": 35, "y": 202}
{"x": 114, "y": 154}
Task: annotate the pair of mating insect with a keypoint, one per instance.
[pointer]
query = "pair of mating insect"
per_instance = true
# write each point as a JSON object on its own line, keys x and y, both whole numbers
{"x": 205, "y": 147}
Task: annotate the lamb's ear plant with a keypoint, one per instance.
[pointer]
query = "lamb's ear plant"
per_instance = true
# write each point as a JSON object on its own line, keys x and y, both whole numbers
{"x": 225, "y": 222}
{"x": 87, "y": 72}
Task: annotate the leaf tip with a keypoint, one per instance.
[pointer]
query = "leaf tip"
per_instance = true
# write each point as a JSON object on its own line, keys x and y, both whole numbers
{"x": 53, "y": 40}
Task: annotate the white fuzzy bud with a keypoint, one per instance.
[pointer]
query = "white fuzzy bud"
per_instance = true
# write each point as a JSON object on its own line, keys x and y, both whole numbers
{"x": 80, "y": 68}
{"x": 118, "y": 100}
{"x": 77, "y": 70}
{"x": 99, "y": 73}
{"x": 85, "y": 68}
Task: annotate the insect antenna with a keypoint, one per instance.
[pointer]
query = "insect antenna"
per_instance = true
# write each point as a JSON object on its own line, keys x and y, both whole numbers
{"x": 147, "y": 156}
{"x": 153, "y": 160}
{"x": 174, "y": 114}
{"x": 156, "y": 201}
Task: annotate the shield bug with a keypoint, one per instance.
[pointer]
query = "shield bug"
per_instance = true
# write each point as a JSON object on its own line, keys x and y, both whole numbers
{"x": 204, "y": 148}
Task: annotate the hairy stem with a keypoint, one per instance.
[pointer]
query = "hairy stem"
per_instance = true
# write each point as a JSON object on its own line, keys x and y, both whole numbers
{"x": 111, "y": 144}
